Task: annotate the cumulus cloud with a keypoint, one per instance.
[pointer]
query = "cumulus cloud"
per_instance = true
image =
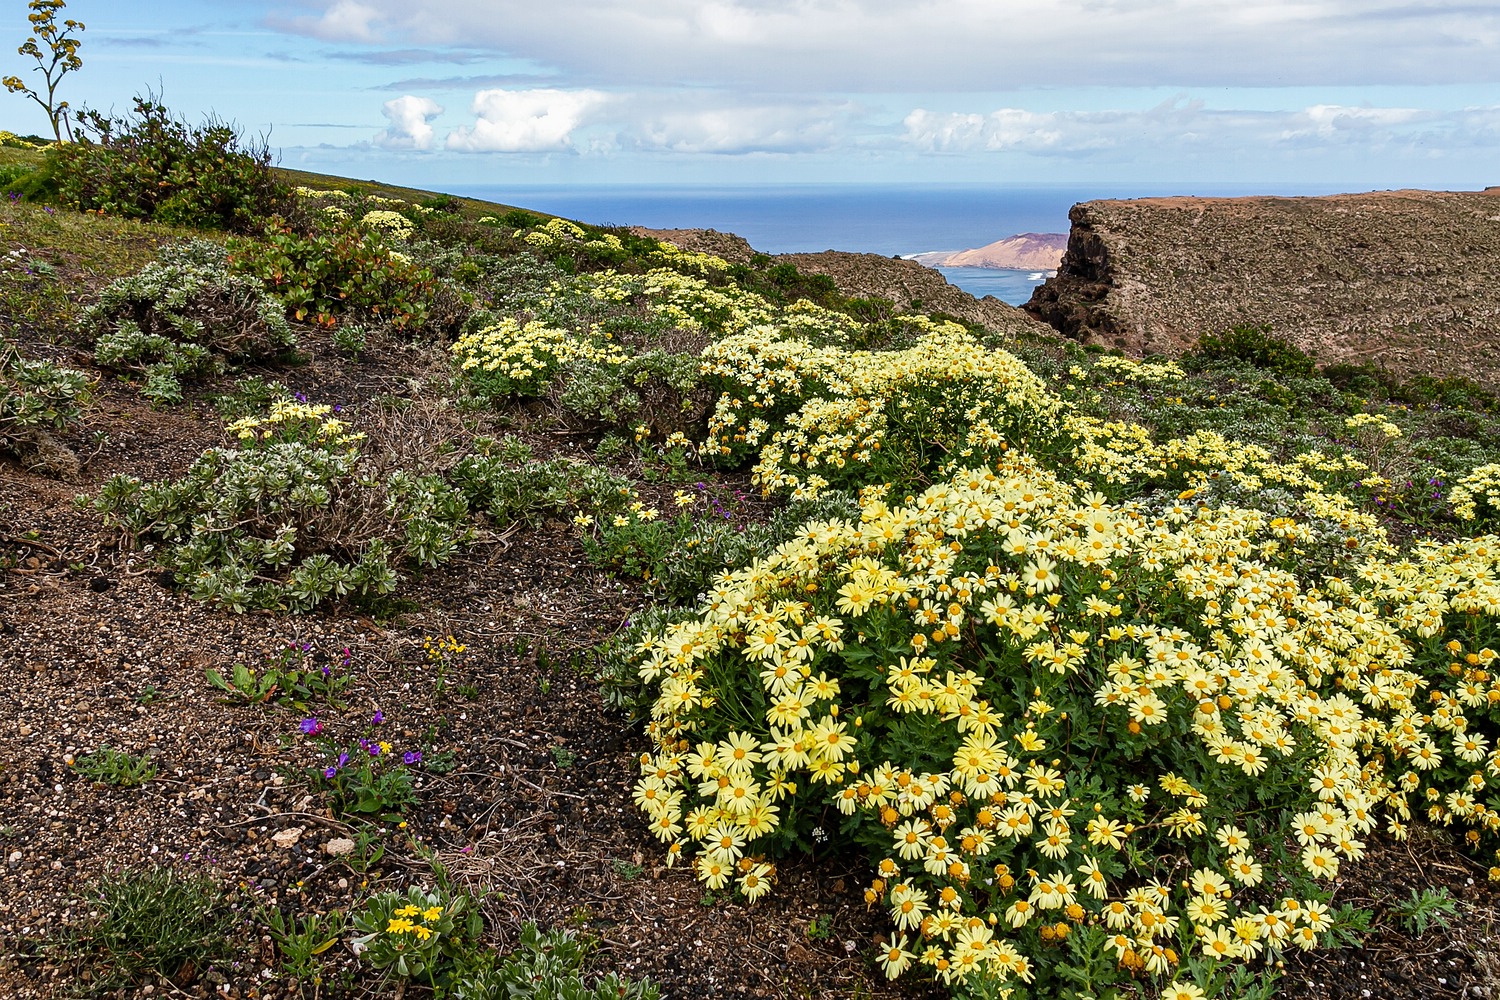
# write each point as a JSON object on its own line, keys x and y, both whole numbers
{"x": 792, "y": 46}
{"x": 525, "y": 121}
{"x": 411, "y": 123}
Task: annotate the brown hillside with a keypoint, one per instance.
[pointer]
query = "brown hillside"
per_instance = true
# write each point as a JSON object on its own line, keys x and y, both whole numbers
{"x": 1406, "y": 279}
{"x": 904, "y": 282}
{"x": 910, "y": 286}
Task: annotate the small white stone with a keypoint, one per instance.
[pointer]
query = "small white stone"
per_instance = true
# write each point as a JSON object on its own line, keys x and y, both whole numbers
{"x": 338, "y": 847}
{"x": 287, "y": 838}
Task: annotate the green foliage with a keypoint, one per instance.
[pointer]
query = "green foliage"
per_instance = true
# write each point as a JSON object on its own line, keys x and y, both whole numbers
{"x": 116, "y": 767}
{"x": 184, "y": 317}
{"x": 346, "y": 272}
{"x": 656, "y": 388}
{"x": 290, "y": 678}
{"x": 60, "y": 58}
{"x": 429, "y": 937}
{"x": 350, "y": 339}
{"x": 300, "y": 940}
{"x": 150, "y": 922}
{"x": 289, "y": 524}
{"x": 1428, "y": 908}
{"x": 548, "y": 966}
{"x": 37, "y": 395}
{"x": 535, "y": 490}
{"x": 1255, "y": 345}
{"x": 151, "y": 165}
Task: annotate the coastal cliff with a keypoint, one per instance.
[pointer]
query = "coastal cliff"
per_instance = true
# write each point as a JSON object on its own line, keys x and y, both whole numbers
{"x": 865, "y": 275}
{"x": 1409, "y": 280}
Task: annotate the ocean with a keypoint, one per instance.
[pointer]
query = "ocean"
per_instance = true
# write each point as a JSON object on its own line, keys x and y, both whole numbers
{"x": 883, "y": 219}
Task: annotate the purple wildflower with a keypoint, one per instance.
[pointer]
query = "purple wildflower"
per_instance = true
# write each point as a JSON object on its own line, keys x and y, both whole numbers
{"x": 310, "y": 726}
{"x": 379, "y": 717}
{"x": 330, "y": 772}
{"x": 411, "y": 756}
{"x": 343, "y": 759}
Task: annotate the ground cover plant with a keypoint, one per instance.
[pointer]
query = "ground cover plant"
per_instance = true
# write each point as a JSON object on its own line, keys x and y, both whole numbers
{"x": 934, "y": 660}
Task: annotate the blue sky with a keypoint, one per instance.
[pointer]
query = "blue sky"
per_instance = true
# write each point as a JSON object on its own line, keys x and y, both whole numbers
{"x": 1352, "y": 94}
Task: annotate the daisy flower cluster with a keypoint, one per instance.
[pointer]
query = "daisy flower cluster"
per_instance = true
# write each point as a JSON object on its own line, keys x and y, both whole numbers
{"x": 1044, "y": 713}
{"x": 512, "y": 357}
{"x": 296, "y": 420}
{"x": 1477, "y": 494}
{"x": 819, "y": 416}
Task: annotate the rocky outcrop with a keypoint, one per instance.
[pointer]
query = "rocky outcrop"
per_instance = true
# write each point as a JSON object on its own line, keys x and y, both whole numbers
{"x": 730, "y": 247}
{"x": 910, "y": 286}
{"x": 866, "y": 275}
{"x": 1026, "y": 252}
{"x": 1406, "y": 279}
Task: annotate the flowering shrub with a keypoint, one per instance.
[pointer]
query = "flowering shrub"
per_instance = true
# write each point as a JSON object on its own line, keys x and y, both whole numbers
{"x": 422, "y": 935}
{"x": 1476, "y": 496}
{"x": 816, "y": 417}
{"x": 370, "y": 779}
{"x": 515, "y": 359}
{"x": 392, "y": 225}
{"x": 1043, "y": 713}
{"x": 185, "y": 316}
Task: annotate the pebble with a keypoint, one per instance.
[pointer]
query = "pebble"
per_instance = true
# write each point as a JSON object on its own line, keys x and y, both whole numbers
{"x": 288, "y": 838}
{"x": 338, "y": 847}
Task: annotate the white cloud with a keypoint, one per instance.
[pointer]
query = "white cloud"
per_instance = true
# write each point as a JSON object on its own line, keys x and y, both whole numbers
{"x": 411, "y": 123}
{"x": 1183, "y": 126}
{"x": 737, "y": 129}
{"x": 802, "y": 46}
{"x": 343, "y": 21}
{"x": 525, "y": 121}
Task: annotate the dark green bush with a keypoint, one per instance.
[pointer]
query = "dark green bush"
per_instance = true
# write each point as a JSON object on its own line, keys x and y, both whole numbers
{"x": 151, "y": 165}
{"x": 1254, "y": 344}
{"x": 344, "y": 272}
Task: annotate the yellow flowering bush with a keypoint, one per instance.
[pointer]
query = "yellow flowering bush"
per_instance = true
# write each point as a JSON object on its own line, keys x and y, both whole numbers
{"x": 295, "y": 420}
{"x": 1477, "y": 494}
{"x": 392, "y": 225}
{"x": 1144, "y": 728}
{"x": 522, "y": 359}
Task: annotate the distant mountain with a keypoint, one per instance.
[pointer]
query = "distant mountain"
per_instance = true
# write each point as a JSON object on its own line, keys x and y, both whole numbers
{"x": 1026, "y": 252}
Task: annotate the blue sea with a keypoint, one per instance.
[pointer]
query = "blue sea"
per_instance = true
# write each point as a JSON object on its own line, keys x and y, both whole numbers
{"x": 883, "y": 219}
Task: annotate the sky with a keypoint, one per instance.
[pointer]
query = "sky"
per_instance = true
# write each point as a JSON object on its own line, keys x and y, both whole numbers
{"x": 1353, "y": 94}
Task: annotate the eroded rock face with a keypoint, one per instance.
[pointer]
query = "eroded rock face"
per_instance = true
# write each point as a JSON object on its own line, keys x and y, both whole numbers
{"x": 904, "y": 282}
{"x": 735, "y": 249}
{"x": 1406, "y": 279}
{"x": 909, "y": 285}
